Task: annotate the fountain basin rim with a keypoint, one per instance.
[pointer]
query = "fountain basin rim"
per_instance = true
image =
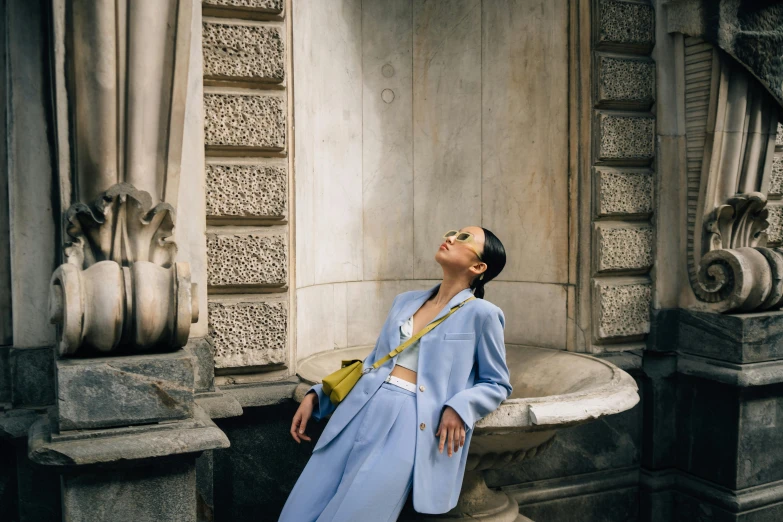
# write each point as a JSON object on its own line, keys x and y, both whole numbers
{"x": 618, "y": 394}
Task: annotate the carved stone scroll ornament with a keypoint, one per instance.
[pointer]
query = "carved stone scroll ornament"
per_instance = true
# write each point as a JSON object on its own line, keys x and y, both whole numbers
{"x": 121, "y": 69}
{"x": 120, "y": 287}
{"x": 731, "y": 121}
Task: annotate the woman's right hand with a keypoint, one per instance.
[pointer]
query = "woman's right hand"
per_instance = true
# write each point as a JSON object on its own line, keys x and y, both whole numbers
{"x": 302, "y": 415}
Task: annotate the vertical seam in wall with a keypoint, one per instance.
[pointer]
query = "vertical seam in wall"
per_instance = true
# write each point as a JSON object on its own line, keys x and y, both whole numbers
{"x": 481, "y": 112}
{"x": 361, "y": 122}
{"x": 413, "y": 145}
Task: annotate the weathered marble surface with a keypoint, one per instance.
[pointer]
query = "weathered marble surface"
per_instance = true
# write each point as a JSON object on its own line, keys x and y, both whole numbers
{"x": 121, "y": 391}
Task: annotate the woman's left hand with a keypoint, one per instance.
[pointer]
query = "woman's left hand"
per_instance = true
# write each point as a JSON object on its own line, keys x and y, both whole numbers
{"x": 451, "y": 431}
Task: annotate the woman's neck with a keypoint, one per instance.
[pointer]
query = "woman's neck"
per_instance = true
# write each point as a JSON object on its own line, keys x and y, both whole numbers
{"x": 448, "y": 289}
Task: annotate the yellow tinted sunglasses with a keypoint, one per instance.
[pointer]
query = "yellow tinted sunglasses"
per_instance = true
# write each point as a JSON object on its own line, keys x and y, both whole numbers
{"x": 463, "y": 237}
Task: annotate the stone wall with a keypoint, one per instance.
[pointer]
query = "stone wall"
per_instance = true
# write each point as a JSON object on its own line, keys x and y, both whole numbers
{"x": 246, "y": 134}
{"x": 623, "y": 138}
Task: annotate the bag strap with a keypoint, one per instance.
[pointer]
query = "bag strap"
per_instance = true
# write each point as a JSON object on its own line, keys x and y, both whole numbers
{"x": 413, "y": 339}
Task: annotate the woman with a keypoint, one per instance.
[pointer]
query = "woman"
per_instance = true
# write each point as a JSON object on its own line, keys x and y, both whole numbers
{"x": 389, "y": 433}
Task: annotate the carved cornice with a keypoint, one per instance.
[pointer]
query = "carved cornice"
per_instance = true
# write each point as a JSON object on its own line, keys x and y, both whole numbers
{"x": 731, "y": 123}
{"x": 121, "y": 72}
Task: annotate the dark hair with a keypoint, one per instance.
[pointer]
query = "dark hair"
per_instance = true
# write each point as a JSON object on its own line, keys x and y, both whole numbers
{"x": 494, "y": 255}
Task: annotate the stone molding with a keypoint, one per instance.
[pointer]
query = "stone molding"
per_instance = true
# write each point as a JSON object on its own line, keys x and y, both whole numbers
{"x": 731, "y": 124}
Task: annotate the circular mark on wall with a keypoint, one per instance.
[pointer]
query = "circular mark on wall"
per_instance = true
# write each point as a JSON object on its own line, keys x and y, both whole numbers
{"x": 387, "y": 95}
{"x": 387, "y": 70}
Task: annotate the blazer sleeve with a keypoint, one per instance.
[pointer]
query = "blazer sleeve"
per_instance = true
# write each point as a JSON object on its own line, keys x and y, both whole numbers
{"x": 492, "y": 385}
{"x": 323, "y": 405}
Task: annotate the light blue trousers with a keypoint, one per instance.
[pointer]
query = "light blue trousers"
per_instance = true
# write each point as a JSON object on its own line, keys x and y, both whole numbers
{"x": 366, "y": 472}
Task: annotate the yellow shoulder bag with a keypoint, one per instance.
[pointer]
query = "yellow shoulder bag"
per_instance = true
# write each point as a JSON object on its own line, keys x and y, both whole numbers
{"x": 337, "y": 384}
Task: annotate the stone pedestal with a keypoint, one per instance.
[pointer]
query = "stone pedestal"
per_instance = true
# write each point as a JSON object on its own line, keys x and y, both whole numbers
{"x": 125, "y": 437}
{"x": 725, "y": 407}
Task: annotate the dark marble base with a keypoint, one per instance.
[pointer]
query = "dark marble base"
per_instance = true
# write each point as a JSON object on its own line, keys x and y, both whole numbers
{"x": 165, "y": 490}
{"x": 121, "y": 391}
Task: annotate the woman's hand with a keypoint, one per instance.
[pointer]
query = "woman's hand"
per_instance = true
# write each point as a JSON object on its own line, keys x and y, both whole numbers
{"x": 451, "y": 431}
{"x": 302, "y": 415}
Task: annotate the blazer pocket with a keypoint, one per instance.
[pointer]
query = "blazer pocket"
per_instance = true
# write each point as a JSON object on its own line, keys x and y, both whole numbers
{"x": 453, "y": 336}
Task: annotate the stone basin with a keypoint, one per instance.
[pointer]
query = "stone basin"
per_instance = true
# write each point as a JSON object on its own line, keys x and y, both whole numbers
{"x": 553, "y": 389}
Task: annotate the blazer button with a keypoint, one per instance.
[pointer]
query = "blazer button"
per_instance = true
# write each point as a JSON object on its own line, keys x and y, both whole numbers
{"x": 422, "y": 426}
{"x": 421, "y": 388}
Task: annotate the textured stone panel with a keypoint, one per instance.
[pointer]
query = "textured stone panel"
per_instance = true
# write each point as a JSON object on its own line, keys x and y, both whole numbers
{"x": 623, "y": 192}
{"x": 249, "y": 333}
{"x": 626, "y": 24}
{"x": 247, "y": 190}
{"x": 622, "y": 310}
{"x": 272, "y": 6}
{"x": 779, "y": 137}
{"x": 623, "y": 248}
{"x": 775, "y": 230}
{"x": 626, "y": 137}
{"x": 243, "y": 52}
{"x": 626, "y": 81}
{"x": 244, "y": 120}
{"x": 122, "y": 391}
{"x": 776, "y": 179}
{"x": 247, "y": 259}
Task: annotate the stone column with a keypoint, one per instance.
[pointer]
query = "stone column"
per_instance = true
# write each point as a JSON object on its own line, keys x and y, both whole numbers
{"x": 713, "y": 361}
{"x": 126, "y": 425}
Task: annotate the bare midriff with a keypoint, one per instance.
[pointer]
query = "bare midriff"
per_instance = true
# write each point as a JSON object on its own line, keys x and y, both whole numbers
{"x": 404, "y": 373}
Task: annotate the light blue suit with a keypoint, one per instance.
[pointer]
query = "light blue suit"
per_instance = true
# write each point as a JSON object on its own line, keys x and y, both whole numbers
{"x": 462, "y": 364}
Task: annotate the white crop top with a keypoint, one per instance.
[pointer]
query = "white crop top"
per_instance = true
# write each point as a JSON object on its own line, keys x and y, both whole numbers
{"x": 409, "y": 358}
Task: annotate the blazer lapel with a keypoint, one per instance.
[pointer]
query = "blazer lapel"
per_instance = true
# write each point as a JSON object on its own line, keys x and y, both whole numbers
{"x": 413, "y": 304}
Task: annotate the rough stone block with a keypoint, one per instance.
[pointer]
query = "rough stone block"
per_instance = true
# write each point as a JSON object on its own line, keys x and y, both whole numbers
{"x": 625, "y": 81}
{"x": 628, "y": 247}
{"x": 776, "y": 181}
{"x": 775, "y": 230}
{"x": 271, "y": 6}
{"x": 249, "y": 333}
{"x": 623, "y": 192}
{"x": 736, "y": 338}
{"x": 622, "y": 309}
{"x": 123, "y": 391}
{"x": 625, "y": 138}
{"x": 204, "y": 357}
{"x": 236, "y": 120}
{"x": 32, "y": 376}
{"x": 628, "y": 26}
{"x": 243, "y": 52}
{"x": 247, "y": 259}
{"x": 779, "y": 136}
{"x": 243, "y": 191}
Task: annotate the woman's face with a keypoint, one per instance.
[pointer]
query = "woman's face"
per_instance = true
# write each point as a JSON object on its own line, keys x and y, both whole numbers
{"x": 460, "y": 255}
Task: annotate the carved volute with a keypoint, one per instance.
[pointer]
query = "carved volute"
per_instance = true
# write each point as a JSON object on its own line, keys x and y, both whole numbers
{"x": 124, "y": 71}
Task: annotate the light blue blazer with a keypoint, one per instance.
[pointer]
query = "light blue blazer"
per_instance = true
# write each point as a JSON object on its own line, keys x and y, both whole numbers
{"x": 462, "y": 364}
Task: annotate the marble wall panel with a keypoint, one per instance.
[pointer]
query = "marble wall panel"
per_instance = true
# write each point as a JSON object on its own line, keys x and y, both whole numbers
{"x": 315, "y": 320}
{"x": 446, "y": 124}
{"x": 524, "y": 138}
{"x": 243, "y": 52}
{"x": 249, "y": 332}
{"x": 387, "y": 139}
{"x": 623, "y": 191}
{"x": 243, "y": 120}
{"x": 328, "y": 162}
{"x": 535, "y": 312}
